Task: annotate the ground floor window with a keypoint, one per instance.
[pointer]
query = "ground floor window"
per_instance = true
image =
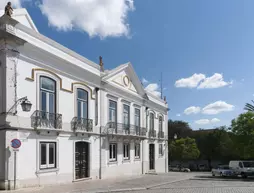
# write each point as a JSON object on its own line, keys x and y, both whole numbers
{"x": 137, "y": 150}
{"x": 112, "y": 152}
{"x": 126, "y": 151}
{"x": 160, "y": 150}
{"x": 47, "y": 155}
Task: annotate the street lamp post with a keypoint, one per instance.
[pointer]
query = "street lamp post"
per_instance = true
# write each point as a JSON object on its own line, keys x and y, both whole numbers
{"x": 25, "y": 105}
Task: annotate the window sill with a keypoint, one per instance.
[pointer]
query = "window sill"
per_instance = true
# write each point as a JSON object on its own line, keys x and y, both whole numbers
{"x": 137, "y": 159}
{"x": 112, "y": 163}
{"x": 126, "y": 161}
{"x": 161, "y": 156}
{"x": 47, "y": 171}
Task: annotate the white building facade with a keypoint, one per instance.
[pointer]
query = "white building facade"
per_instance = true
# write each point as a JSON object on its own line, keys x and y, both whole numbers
{"x": 85, "y": 122}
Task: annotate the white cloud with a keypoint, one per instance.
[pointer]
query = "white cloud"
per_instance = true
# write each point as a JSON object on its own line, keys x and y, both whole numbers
{"x": 215, "y": 120}
{"x": 202, "y": 121}
{"x": 207, "y": 121}
{"x": 153, "y": 89}
{"x": 190, "y": 82}
{"x": 178, "y": 115}
{"x": 101, "y": 18}
{"x": 217, "y": 107}
{"x": 200, "y": 81}
{"x": 144, "y": 81}
{"x": 192, "y": 110}
{"x": 215, "y": 81}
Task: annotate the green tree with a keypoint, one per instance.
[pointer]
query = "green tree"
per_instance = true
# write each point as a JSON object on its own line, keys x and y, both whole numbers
{"x": 243, "y": 124}
{"x": 180, "y": 128}
{"x": 184, "y": 149}
{"x": 243, "y": 128}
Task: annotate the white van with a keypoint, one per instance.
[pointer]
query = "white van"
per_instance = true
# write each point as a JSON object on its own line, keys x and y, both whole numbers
{"x": 243, "y": 168}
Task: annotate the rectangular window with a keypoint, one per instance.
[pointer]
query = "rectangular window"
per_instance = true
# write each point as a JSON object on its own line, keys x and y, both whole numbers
{"x": 137, "y": 151}
{"x": 112, "y": 111}
{"x": 112, "y": 152}
{"x": 160, "y": 124}
{"x": 137, "y": 121}
{"x": 151, "y": 121}
{"x": 126, "y": 115}
{"x": 160, "y": 150}
{"x": 47, "y": 155}
{"x": 126, "y": 151}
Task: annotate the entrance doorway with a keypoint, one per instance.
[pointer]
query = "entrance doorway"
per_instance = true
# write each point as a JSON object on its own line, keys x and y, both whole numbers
{"x": 82, "y": 160}
{"x": 151, "y": 157}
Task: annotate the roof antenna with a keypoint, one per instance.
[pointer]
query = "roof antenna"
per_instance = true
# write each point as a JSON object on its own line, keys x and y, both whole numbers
{"x": 161, "y": 86}
{"x": 101, "y": 64}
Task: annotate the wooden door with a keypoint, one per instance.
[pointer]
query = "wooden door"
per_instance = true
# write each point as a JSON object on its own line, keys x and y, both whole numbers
{"x": 82, "y": 160}
{"x": 151, "y": 157}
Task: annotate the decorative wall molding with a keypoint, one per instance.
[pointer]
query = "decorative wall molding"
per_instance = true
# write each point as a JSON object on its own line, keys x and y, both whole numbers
{"x": 32, "y": 78}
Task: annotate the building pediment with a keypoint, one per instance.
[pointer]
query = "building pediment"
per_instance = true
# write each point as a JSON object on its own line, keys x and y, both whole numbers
{"x": 125, "y": 78}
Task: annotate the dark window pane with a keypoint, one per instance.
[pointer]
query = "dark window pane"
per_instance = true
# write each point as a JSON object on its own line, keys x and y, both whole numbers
{"x": 112, "y": 104}
{"x": 79, "y": 109}
{"x": 51, "y": 153}
{"x": 48, "y": 84}
{"x": 82, "y": 94}
{"x": 44, "y": 101}
{"x": 85, "y": 113}
{"x": 51, "y": 103}
{"x": 43, "y": 154}
{"x": 114, "y": 151}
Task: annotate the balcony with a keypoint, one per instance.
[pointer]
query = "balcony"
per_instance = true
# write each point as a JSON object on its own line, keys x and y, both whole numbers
{"x": 41, "y": 119}
{"x": 152, "y": 134}
{"x": 82, "y": 124}
{"x": 125, "y": 129}
{"x": 161, "y": 134}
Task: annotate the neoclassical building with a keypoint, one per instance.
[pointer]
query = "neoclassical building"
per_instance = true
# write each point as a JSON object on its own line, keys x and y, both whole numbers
{"x": 75, "y": 119}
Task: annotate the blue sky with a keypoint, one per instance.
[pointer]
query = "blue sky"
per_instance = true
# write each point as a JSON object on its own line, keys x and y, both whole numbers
{"x": 179, "y": 38}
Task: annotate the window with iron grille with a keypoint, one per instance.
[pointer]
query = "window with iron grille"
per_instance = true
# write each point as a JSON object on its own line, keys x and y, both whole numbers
{"x": 137, "y": 150}
{"x": 112, "y": 152}
{"x": 160, "y": 150}
{"x": 47, "y": 155}
{"x": 126, "y": 151}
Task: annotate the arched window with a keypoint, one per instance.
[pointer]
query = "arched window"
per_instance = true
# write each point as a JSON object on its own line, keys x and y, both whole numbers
{"x": 82, "y": 104}
{"x": 160, "y": 124}
{"x": 151, "y": 121}
{"x": 47, "y": 95}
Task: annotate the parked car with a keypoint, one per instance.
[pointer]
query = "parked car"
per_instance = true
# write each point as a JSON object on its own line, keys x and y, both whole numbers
{"x": 243, "y": 168}
{"x": 178, "y": 169}
{"x": 222, "y": 171}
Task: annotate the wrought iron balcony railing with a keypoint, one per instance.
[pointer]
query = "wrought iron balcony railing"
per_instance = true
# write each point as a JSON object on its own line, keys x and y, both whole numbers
{"x": 152, "y": 133}
{"x": 125, "y": 129}
{"x": 161, "y": 134}
{"x": 82, "y": 124}
{"x": 46, "y": 120}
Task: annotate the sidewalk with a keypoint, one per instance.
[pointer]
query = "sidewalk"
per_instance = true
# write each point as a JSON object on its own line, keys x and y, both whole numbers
{"x": 110, "y": 185}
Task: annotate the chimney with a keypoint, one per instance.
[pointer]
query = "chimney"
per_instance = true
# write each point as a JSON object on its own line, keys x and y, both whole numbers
{"x": 101, "y": 64}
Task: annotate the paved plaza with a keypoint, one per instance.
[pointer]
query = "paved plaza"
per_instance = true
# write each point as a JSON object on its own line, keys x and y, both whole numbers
{"x": 161, "y": 183}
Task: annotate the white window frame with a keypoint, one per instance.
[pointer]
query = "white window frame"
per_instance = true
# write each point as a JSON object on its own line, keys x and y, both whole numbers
{"x": 160, "y": 149}
{"x": 47, "y": 165}
{"x": 126, "y": 124}
{"x": 109, "y": 108}
{"x": 135, "y": 153}
{"x": 160, "y": 123}
{"x": 48, "y": 92}
{"x": 151, "y": 121}
{"x": 126, "y": 151}
{"x": 112, "y": 146}
{"x": 82, "y": 101}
